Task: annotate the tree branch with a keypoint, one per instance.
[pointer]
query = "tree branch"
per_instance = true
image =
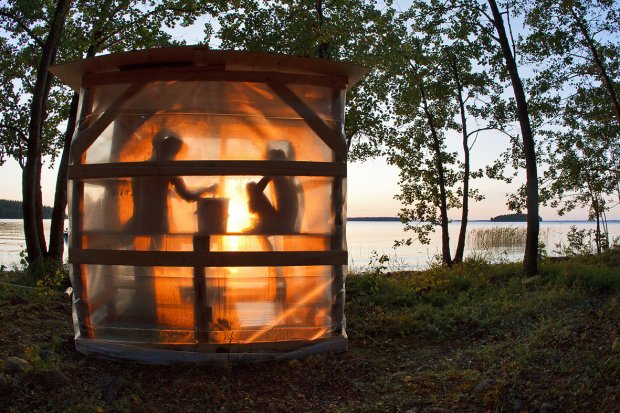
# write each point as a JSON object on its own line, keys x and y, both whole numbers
{"x": 16, "y": 20}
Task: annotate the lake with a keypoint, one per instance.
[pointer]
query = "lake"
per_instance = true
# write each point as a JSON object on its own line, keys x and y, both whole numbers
{"x": 364, "y": 237}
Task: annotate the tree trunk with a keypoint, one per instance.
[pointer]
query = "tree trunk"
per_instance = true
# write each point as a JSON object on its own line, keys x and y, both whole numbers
{"x": 460, "y": 247}
{"x": 598, "y": 230}
{"x": 30, "y": 181}
{"x": 39, "y": 189}
{"x": 443, "y": 208}
{"x": 57, "y": 242}
{"x": 322, "y": 51}
{"x": 598, "y": 63}
{"x": 39, "y": 209}
{"x": 530, "y": 264}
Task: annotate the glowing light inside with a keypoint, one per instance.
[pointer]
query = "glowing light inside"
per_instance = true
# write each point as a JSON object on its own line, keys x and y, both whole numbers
{"x": 278, "y": 320}
{"x": 239, "y": 217}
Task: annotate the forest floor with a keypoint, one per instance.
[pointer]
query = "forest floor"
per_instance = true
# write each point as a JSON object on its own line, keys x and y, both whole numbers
{"x": 474, "y": 338}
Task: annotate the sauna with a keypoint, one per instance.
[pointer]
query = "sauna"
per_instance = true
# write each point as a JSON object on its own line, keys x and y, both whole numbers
{"x": 207, "y": 205}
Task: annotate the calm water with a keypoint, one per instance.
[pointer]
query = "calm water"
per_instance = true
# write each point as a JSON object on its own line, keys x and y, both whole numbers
{"x": 365, "y": 237}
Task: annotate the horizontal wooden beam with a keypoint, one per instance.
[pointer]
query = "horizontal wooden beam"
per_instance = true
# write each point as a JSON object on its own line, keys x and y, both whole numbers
{"x": 193, "y": 73}
{"x": 207, "y": 259}
{"x": 207, "y": 168}
{"x": 98, "y": 232}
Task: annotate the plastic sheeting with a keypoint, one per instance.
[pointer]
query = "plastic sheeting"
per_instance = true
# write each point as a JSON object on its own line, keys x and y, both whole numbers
{"x": 164, "y": 260}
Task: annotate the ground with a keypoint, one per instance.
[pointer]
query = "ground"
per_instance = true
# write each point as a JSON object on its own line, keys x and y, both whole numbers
{"x": 475, "y": 338}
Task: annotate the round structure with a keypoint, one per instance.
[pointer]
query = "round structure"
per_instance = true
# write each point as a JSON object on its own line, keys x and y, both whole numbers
{"x": 207, "y": 205}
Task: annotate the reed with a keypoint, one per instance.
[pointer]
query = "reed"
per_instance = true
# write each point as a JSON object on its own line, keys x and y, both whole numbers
{"x": 496, "y": 237}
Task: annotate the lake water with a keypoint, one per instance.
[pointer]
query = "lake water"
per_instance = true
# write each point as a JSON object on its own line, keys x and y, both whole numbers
{"x": 364, "y": 238}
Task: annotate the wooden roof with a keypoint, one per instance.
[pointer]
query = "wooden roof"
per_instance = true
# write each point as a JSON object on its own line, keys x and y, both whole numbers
{"x": 72, "y": 73}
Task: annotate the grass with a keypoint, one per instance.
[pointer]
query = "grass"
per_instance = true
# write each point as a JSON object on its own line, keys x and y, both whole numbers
{"x": 418, "y": 341}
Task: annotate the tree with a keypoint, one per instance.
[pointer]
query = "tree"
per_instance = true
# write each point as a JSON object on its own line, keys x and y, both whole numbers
{"x": 92, "y": 26}
{"x": 583, "y": 157}
{"x": 573, "y": 45}
{"x": 530, "y": 259}
{"x": 418, "y": 148}
{"x": 20, "y": 16}
{"x": 347, "y": 30}
{"x": 573, "y": 41}
{"x": 441, "y": 88}
{"x": 499, "y": 59}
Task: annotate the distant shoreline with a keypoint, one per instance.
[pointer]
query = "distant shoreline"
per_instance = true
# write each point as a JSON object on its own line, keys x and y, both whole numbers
{"x": 396, "y": 219}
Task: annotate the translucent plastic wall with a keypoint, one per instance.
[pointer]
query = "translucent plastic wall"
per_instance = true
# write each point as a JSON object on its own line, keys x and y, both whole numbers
{"x": 208, "y": 216}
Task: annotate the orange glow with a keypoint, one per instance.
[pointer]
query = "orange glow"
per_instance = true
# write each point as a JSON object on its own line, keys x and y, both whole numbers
{"x": 239, "y": 217}
{"x": 311, "y": 294}
{"x": 319, "y": 334}
{"x": 271, "y": 302}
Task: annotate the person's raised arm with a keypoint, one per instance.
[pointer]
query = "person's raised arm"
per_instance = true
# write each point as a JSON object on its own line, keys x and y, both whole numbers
{"x": 186, "y": 194}
{"x": 262, "y": 184}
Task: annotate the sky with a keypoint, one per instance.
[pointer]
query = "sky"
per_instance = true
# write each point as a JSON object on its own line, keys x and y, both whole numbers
{"x": 372, "y": 185}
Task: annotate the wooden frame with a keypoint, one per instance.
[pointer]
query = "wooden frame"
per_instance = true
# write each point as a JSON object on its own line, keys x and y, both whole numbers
{"x": 137, "y": 70}
{"x": 207, "y": 259}
{"x": 206, "y": 168}
{"x": 193, "y": 73}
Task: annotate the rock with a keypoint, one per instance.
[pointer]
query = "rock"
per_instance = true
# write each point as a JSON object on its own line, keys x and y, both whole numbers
{"x": 484, "y": 386}
{"x": 517, "y": 406}
{"x": 110, "y": 386}
{"x": 50, "y": 378}
{"x": 46, "y": 354}
{"x": 16, "y": 365}
{"x": 615, "y": 345}
{"x": 546, "y": 408}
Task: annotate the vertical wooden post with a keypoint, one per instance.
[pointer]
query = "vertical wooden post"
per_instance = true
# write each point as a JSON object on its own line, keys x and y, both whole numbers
{"x": 202, "y": 310}
{"x": 338, "y": 241}
{"x": 76, "y": 213}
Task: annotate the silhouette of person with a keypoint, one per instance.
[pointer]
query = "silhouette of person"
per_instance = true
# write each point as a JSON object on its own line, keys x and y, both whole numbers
{"x": 281, "y": 218}
{"x": 149, "y": 222}
{"x": 150, "y": 194}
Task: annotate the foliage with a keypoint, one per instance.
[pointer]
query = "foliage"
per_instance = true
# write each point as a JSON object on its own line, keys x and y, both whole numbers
{"x": 13, "y": 210}
{"x": 573, "y": 45}
{"x": 24, "y": 27}
{"x": 53, "y": 281}
{"x": 583, "y": 157}
{"x": 573, "y": 42}
{"x": 378, "y": 263}
{"x": 346, "y": 30}
{"x": 578, "y": 242}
